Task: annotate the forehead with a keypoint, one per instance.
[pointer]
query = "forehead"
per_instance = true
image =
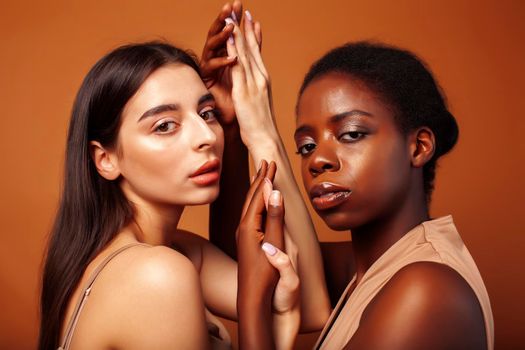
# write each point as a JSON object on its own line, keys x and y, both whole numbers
{"x": 336, "y": 93}
{"x": 169, "y": 84}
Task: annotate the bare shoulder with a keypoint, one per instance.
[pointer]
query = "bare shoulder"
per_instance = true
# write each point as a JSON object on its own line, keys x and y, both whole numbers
{"x": 161, "y": 267}
{"x": 425, "y": 305}
{"x": 159, "y": 301}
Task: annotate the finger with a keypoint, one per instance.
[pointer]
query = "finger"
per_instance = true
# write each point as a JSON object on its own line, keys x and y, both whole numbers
{"x": 243, "y": 53}
{"x": 237, "y": 11}
{"x": 216, "y": 63}
{"x": 249, "y": 32}
{"x": 253, "y": 187}
{"x": 258, "y": 33}
{"x": 275, "y": 221}
{"x": 253, "y": 43}
{"x": 272, "y": 169}
{"x": 218, "y": 23}
{"x": 218, "y": 40}
{"x": 253, "y": 219}
{"x": 267, "y": 190}
{"x": 279, "y": 260}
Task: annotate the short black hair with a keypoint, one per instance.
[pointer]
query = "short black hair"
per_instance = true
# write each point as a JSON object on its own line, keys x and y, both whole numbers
{"x": 404, "y": 82}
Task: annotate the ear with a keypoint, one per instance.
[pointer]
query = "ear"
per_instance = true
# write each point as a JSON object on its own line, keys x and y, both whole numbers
{"x": 105, "y": 161}
{"x": 422, "y": 146}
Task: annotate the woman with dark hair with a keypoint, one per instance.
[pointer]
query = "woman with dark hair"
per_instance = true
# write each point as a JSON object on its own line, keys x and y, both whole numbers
{"x": 144, "y": 141}
{"x": 371, "y": 126}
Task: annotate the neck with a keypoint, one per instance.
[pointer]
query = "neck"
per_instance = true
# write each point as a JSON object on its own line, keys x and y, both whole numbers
{"x": 373, "y": 239}
{"x": 153, "y": 224}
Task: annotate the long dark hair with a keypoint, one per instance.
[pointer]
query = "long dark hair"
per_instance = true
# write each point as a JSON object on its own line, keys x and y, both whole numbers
{"x": 405, "y": 83}
{"x": 92, "y": 209}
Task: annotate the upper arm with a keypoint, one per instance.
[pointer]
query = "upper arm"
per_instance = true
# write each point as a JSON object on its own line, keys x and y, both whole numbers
{"x": 424, "y": 306}
{"x": 160, "y": 305}
{"x": 217, "y": 273}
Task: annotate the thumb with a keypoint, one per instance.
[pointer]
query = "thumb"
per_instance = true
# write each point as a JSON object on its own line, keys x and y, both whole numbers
{"x": 273, "y": 232}
{"x": 281, "y": 262}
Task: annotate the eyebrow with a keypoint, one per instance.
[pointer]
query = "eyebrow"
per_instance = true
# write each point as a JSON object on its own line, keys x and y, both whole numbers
{"x": 354, "y": 112}
{"x": 174, "y": 107}
{"x": 334, "y": 119}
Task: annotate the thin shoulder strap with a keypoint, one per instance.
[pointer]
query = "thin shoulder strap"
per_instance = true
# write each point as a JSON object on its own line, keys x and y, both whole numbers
{"x": 85, "y": 293}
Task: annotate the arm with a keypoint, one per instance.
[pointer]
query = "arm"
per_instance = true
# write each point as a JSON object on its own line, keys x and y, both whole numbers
{"x": 225, "y": 212}
{"x": 268, "y": 298}
{"x": 252, "y": 101}
{"x": 161, "y": 290}
{"x": 424, "y": 306}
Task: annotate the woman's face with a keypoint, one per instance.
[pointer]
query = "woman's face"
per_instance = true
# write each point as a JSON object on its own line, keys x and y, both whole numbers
{"x": 355, "y": 161}
{"x": 170, "y": 142}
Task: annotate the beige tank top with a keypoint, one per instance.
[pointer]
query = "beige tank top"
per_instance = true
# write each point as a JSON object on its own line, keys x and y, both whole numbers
{"x": 433, "y": 241}
{"x": 219, "y": 340}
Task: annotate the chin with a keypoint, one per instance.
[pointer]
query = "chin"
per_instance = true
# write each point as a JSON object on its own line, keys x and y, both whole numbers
{"x": 206, "y": 196}
{"x": 336, "y": 220}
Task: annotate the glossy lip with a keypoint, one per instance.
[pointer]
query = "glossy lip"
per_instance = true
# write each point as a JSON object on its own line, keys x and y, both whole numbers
{"x": 208, "y": 173}
{"x": 326, "y": 195}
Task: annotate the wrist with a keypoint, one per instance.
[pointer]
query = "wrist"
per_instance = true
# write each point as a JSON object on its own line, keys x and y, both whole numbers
{"x": 285, "y": 328}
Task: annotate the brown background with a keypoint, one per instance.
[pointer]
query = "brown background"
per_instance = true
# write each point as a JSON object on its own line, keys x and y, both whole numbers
{"x": 475, "y": 48}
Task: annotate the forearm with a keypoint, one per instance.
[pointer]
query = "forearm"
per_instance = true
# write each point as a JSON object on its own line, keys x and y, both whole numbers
{"x": 285, "y": 329}
{"x": 225, "y": 212}
{"x": 255, "y": 317}
{"x": 315, "y": 304}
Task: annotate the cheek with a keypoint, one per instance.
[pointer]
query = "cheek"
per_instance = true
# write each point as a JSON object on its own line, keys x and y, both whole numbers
{"x": 219, "y": 144}
{"x": 154, "y": 165}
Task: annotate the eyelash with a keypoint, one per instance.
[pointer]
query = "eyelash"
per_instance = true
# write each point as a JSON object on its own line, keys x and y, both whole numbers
{"x": 209, "y": 115}
{"x": 215, "y": 114}
{"x": 166, "y": 122}
{"x": 358, "y": 136}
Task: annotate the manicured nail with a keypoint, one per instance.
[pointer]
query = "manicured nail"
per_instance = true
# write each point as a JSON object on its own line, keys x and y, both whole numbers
{"x": 230, "y": 39}
{"x": 228, "y": 20}
{"x": 268, "y": 248}
{"x": 248, "y": 15}
{"x": 234, "y": 17}
{"x": 275, "y": 198}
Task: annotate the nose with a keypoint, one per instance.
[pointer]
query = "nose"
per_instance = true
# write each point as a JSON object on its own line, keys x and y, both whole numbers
{"x": 323, "y": 159}
{"x": 203, "y": 137}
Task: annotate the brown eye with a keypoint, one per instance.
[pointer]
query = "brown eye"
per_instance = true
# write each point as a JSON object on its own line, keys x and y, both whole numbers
{"x": 351, "y": 136}
{"x": 165, "y": 127}
{"x": 209, "y": 115}
{"x": 305, "y": 149}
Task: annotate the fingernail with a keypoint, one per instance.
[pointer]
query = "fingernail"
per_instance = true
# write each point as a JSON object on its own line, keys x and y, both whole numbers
{"x": 230, "y": 39}
{"x": 248, "y": 15}
{"x": 234, "y": 17}
{"x": 268, "y": 248}
{"x": 228, "y": 20}
{"x": 275, "y": 198}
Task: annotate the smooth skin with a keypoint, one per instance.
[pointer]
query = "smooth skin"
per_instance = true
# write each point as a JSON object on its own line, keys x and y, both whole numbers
{"x": 251, "y": 97}
{"x": 168, "y": 131}
{"x": 347, "y": 136}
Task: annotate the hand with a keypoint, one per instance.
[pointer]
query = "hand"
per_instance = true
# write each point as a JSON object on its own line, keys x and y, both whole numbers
{"x": 251, "y": 91}
{"x": 215, "y": 63}
{"x": 258, "y": 281}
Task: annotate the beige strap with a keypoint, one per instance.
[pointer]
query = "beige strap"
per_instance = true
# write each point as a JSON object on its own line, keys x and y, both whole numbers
{"x": 85, "y": 293}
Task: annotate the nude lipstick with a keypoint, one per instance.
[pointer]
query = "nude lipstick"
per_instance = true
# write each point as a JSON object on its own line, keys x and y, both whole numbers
{"x": 326, "y": 195}
{"x": 208, "y": 174}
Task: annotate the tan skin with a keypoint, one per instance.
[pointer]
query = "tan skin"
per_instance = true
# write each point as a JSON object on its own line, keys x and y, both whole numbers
{"x": 249, "y": 86}
{"x": 383, "y": 209}
{"x": 169, "y": 129}
{"x": 347, "y": 137}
